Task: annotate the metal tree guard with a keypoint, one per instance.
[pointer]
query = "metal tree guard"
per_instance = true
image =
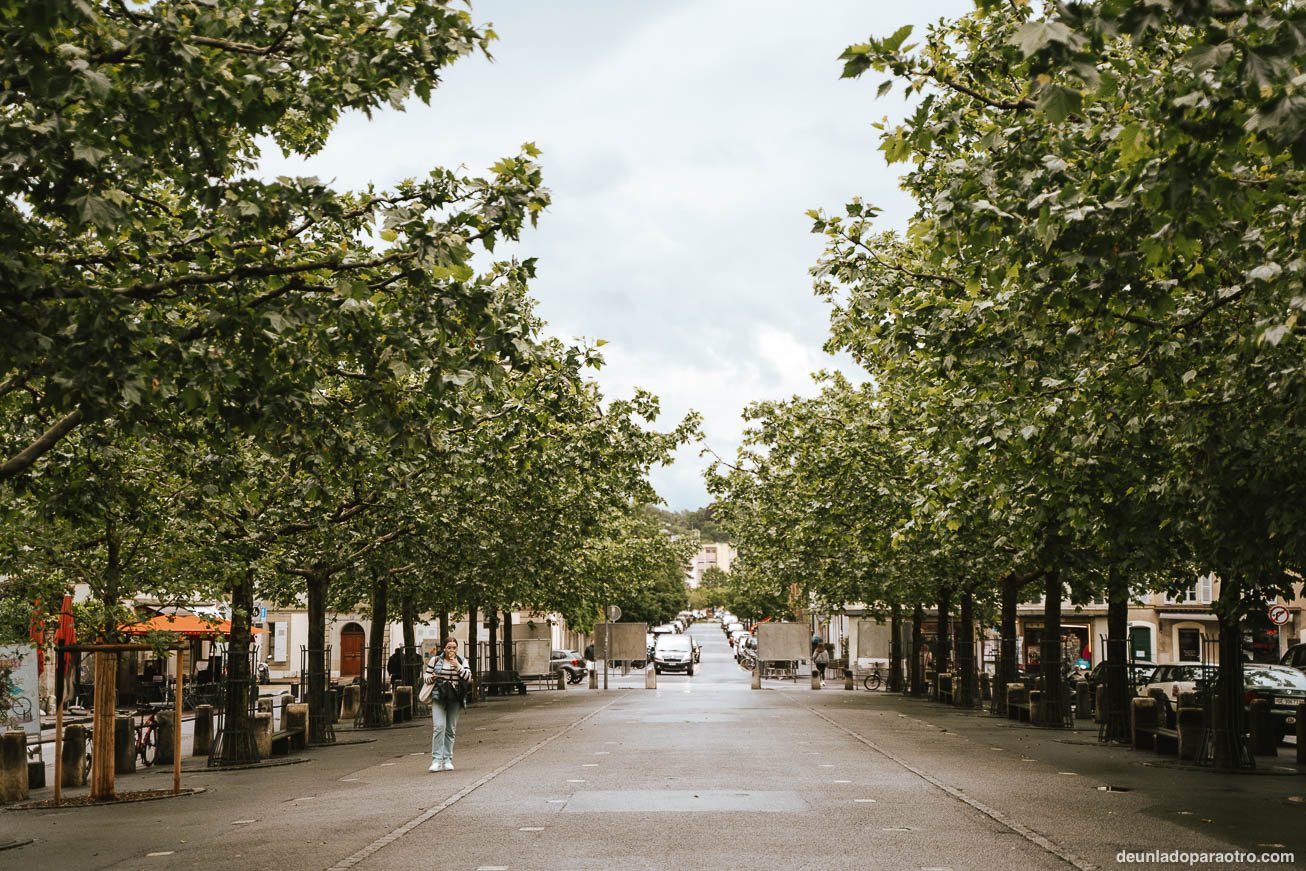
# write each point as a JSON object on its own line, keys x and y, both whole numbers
{"x": 321, "y": 719}
{"x": 234, "y": 741}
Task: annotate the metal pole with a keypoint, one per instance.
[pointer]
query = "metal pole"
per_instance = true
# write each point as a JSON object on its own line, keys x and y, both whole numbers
{"x": 176, "y": 727}
{"x": 58, "y": 730}
{"x": 607, "y": 650}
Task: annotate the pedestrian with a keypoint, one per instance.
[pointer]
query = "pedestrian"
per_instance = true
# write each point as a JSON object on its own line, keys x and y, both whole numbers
{"x": 449, "y": 673}
{"x": 394, "y": 666}
{"x": 821, "y": 659}
{"x": 589, "y": 657}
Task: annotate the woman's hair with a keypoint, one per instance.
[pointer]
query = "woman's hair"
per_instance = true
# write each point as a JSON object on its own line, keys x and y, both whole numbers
{"x": 447, "y": 640}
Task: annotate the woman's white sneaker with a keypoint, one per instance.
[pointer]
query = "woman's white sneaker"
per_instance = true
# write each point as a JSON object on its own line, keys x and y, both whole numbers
{"x": 436, "y": 766}
{"x": 448, "y": 765}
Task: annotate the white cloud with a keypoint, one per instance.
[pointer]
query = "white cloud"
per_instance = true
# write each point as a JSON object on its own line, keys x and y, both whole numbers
{"x": 683, "y": 141}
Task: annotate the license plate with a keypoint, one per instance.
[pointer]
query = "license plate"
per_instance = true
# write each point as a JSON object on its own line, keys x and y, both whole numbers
{"x": 1288, "y": 700}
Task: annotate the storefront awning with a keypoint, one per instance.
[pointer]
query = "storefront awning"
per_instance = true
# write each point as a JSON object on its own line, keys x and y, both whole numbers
{"x": 183, "y": 624}
{"x": 1187, "y": 615}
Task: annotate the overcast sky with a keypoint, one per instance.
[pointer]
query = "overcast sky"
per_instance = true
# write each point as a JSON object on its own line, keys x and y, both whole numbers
{"x": 682, "y": 140}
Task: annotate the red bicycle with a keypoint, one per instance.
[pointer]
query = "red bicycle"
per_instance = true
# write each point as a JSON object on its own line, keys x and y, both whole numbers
{"x": 147, "y": 736}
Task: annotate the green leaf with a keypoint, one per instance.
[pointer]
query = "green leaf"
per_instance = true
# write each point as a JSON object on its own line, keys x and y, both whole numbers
{"x": 1059, "y": 102}
{"x": 893, "y": 43}
{"x": 1033, "y": 36}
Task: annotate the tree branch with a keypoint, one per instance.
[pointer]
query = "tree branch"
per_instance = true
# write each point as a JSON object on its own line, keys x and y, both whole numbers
{"x": 23, "y": 461}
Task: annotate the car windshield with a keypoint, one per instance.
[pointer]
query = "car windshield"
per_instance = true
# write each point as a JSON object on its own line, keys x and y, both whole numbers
{"x": 1286, "y": 678}
{"x": 1185, "y": 672}
{"x": 673, "y": 643}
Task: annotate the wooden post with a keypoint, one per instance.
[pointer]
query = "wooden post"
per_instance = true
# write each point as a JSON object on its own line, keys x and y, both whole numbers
{"x": 176, "y": 728}
{"x": 58, "y": 739}
{"x": 106, "y": 692}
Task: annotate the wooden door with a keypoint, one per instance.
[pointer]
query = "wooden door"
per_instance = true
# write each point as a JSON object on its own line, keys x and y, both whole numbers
{"x": 352, "y": 642}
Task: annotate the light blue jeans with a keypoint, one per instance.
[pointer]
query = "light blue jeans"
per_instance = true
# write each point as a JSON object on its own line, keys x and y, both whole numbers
{"x": 445, "y": 721}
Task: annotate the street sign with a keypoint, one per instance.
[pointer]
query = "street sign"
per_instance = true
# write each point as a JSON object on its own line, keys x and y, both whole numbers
{"x": 614, "y": 613}
{"x": 1278, "y": 615}
{"x": 262, "y": 614}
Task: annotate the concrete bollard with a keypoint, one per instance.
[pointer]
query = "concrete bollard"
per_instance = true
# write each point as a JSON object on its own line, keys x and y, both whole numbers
{"x": 848, "y": 678}
{"x": 594, "y": 678}
{"x": 403, "y": 704}
{"x": 164, "y": 721}
{"x": 1083, "y": 701}
{"x": 1016, "y": 695}
{"x": 1191, "y": 726}
{"x": 297, "y": 718}
{"x": 562, "y": 679}
{"x": 1301, "y": 734}
{"x": 1099, "y": 704}
{"x": 349, "y": 707}
{"x": 816, "y": 679}
{"x": 203, "y": 741}
{"x": 1036, "y": 706}
{"x": 263, "y": 733}
{"x": 13, "y": 766}
{"x": 263, "y": 704}
{"x": 74, "y": 756}
{"x": 1143, "y": 712}
{"x": 650, "y": 677}
{"x": 286, "y": 701}
{"x": 986, "y": 687}
{"x": 1265, "y": 734}
{"x": 124, "y": 745}
{"x": 757, "y": 675}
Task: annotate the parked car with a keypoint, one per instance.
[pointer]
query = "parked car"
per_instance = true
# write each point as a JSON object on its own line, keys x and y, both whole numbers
{"x": 569, "y": 661}
{"x": 736, "y": 634}
{"x": 1138, "y": 672}
{"x": 1295, "y": 656}
{"x": 673, "y": 653}
{"x": 746, "y": 652}
{"x": 1181, "y": 677}
{"x": 1283, "y": 686}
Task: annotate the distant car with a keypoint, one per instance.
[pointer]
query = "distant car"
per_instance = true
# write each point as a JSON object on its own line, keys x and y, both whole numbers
{"x": 673, "y": 653}
{"x": 1138, "y": 672}
{"x": 736, "y": 634}
{"x": 569, "y": 661}
{"x": 1181, "y": 677}
{"x": 1295, "y": 656}
{"x": 1283, "y": 686}
{"x": 666, "y": 629}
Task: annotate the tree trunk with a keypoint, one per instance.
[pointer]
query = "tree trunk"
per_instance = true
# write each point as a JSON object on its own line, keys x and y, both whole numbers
{"x": 895, "y": 648}
{"x": 494, "y": 640}
{"x": 1229, "y": 719}
{"x": 1006, "y": 670}
{"x": 320, "y": 728}
{"x": 1115, "y": 700}
{"x": 966, "y": 651}
{"x": 943, "y": 642}
{"x": 473, "y": 639}
{"x": 1050, "y": 650}
{"x": 444, "y": 627}
{"x": 374, "y": 686}
{"x": 507, "y": 641}
{"x": 918, "y": 651}
{"x": 412, "y": 673}
{"x": 235, "y": 743}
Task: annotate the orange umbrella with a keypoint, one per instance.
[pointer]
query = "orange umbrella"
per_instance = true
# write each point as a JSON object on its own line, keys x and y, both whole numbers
{"x": 67, "y": 631}
{"x": 188, "y": 625}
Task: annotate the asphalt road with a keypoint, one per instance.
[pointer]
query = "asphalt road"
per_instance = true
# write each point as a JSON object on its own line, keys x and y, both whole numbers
{"x": 702, "y": 772}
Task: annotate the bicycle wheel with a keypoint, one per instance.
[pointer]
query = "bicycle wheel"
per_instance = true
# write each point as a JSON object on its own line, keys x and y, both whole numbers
{"x": 147, "y": 745}
{"x": 872, "y": 681}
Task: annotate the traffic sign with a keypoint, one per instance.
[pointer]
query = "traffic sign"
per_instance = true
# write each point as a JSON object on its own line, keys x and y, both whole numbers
{"x": 1278, "y": 615}
{"x": 614, "y": 613}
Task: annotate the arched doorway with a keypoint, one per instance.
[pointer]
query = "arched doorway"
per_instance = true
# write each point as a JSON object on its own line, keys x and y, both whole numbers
{"x": 352, "y": 642}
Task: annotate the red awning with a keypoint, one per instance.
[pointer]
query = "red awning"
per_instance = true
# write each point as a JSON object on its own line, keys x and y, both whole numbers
{"x": 183, "y": 624}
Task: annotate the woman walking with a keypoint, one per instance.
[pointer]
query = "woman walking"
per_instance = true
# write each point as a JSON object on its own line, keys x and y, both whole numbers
{"x": 452, "y": 678}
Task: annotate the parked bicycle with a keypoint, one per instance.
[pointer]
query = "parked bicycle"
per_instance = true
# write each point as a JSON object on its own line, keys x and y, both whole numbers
{"x": 147, "y": 736}
{"x": 873, "y": 681}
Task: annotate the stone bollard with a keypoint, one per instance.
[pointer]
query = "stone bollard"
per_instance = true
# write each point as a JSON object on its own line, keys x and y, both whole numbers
{"x": 1265, "y": 734}
{"x": 349, "y": 708}
{"x": 562, "y": 679}
{"x": 594, "y": 678}
{"x": 650, "y": 677}
{"x": 1143, "y": 712}
{"x": 757, "y": 675}
{"x": 1083, "y": 701}
{"x": 335, "y": 701}
{"x": 13, "y": 766}
{"x": 403, "y": 704}
{"x": 1016, "y": 695}
{"x": 296, "y": 717}
{"x": 1191, "y": 726}
{"x": 1099, "y": 704}
{"x": 263, "y": 733}
{"x": 986, "y": 687}
{"x": 848, "y": 678}
{"x": 36, "y": 774}
{"x": 124, "y": 745}
{"x": 263, "y": 704}
{"x": 164, "y": 731}
{"x": 203, "y": 741}
{"x": 286, "y": 701}
{"x": 816, "y": 679}
{"x": 1301, "y": 734}
{"x": 74, "y": 756}
{"x": 1036, "y": 706}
